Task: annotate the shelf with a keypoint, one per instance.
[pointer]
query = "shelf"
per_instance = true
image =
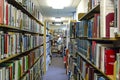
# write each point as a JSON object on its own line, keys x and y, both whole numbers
{"x": 41, "y": 34}
{"x": 103, "y": 40}
{"x": 19, "y": 6}
{"x": 72, "y": 38}
{"x": 90, "y": 14}
{"x": 87, "y": 61}
{"x": 31, "y": 67}
{"x": 85, "y": 37}
{"x": 117, "y": 35}
{"x": 78, "y": 70}
{"x": 16, "y": 55}
{"x": 83, "y": 50}
{"x": 14, "y": 29}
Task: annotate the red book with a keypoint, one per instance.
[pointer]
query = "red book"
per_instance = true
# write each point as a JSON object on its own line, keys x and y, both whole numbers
{"x": 1, "y": 11}
{"x": 96, "y": 25}
{"x": 109, "y": 61}
{"x": 6, "y": 45}
{"x": 109, "y": 18}
{"x": 7, "y": 18}
{"x": 11, "y": 73}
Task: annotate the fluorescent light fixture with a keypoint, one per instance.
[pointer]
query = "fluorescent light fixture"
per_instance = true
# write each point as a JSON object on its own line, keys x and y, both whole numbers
{"x": 58, "y": 19}
{"x": 58, "y": 24}
{"x": 58, "y": 4}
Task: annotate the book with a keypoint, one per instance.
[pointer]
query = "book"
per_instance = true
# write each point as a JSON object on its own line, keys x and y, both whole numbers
{"x": 109, "y": 61}
{"x": 90, "y": 24}
{"x": 96, "y": 26}
{"x": 117, "y": 66}
{"x": 117, "y": 17}
{"x": 107, "y": 16}
{"x": 1, "y": 11}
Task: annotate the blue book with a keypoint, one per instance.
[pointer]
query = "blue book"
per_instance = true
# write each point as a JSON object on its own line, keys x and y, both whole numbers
{"x": 90, "y": 24}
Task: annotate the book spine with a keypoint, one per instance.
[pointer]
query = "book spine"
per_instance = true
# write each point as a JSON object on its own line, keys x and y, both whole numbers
{"x": 1, "y": 11}
{"x": 7, "y": 13}
{"x": 2, "y": 46}
{"x": 105, "y": 12}
{"x": 117, "y": 66}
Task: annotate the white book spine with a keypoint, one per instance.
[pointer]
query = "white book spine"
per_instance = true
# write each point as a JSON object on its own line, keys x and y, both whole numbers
{"x": 106, "y": 7}
{"x": 16, "y": 70}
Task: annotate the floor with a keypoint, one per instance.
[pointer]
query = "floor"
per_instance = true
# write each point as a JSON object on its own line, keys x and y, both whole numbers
{"x": 56, "y": 70}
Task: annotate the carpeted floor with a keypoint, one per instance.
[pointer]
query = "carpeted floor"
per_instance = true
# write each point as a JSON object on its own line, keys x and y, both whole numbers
{"x": 56, "y": 70}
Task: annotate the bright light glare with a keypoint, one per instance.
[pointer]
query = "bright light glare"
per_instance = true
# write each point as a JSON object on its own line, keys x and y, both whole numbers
{"x": 58, "y": 19}
{"x": 58, "y": 4}
{"x": 58, "y": 24}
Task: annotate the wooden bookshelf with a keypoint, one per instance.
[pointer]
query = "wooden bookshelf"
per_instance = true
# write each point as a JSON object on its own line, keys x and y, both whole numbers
{"x": 85, "y": 37}
{"x": 72, "y": 38}
{"x": 83, "y": 50}
{"x": 31, "y": 66}
{"x": 17, "y": 55}
{"x": 92, "y": 65}
{"x": 78, "y": 70}
{"x": 90, "y": 14}
{"x": 117, "y": 36}
{"x": 17, "y": 30}
{"x": 103, "y": 40}
{"x": 80, "y": 73}
{"x": 21, "y": 7}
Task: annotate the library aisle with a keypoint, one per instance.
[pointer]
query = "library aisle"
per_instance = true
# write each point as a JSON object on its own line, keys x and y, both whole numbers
{"x": 56, "y": 70}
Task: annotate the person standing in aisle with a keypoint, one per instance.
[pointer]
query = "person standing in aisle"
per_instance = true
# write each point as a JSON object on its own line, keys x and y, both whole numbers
{"x": 59, "y": 42}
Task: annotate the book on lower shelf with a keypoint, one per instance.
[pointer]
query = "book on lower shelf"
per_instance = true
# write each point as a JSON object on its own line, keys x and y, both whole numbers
{"x": 15, "y": 69}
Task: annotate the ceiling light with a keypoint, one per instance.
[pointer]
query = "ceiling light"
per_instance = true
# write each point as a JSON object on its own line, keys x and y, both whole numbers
{"x": 58, "y": 24}
{"x": 58, "y": 4}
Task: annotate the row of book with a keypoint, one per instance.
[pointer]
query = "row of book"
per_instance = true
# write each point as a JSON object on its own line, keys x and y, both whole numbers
{"x": 73, "y": 29}
{"x": 30, "y": 41}
{"x": 30, "y": 6}
{"x": 104, "y": 24}
{"x": 14, "y": 43}
{"x": 86, "y": 71}
{"x": 35, "y": 73}
{"x": 14, "y": 69}
{"x": 105, "y": 57}
{"x": 81, "y": 28}
{"x": 72, "y": 46}
{"x": 48, "y": 48}
{"x": 48, "y": 54}
{"x": 93, "y": 28}
{"x": 82, "y": 46}
{"x": 10, "y": 15}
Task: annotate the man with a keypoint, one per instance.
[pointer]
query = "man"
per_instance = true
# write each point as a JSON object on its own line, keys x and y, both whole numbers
{"x": 59, "y": 42}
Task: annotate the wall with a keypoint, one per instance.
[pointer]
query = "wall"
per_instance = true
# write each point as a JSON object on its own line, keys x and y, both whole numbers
{"x": 82, "y": 8}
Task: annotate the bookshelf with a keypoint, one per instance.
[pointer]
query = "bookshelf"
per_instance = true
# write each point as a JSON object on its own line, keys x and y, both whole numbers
{"x": 31, "y": 66}
{"x": 21, "y": 41}
{"x": 17, "y": 55}
{"x": 88, "y": 61}
{"x": 17, "y": 30}
{"x": 18, "y": 5}
{"x": 47, "y": 47}
{"x": 97, "y": 39}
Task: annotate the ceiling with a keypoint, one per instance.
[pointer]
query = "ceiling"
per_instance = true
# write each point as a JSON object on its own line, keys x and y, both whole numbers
{"x": 49, "y": 12}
